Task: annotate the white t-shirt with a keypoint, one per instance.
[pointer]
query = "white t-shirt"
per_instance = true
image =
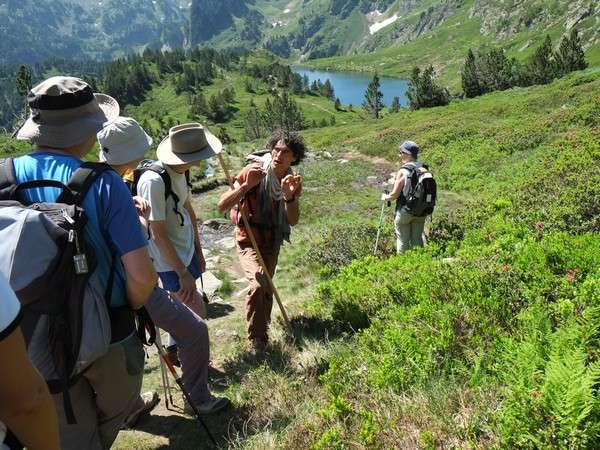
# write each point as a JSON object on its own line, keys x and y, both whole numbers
{"x": 152, "y": 188}
{"x": 9, "y": 319}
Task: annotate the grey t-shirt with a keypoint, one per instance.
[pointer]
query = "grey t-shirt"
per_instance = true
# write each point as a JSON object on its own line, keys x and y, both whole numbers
{"x": 152, "y": 188}
{"x": 405, "y": 173}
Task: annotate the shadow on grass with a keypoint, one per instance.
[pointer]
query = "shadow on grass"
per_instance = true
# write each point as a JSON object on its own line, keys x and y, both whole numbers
{"x": 187, "y": 433}
{"x": 314, "y": 328}
{"x": 274, "y": 357}
{"x": 216, "y": 310}
{"x": 278, "y": 355}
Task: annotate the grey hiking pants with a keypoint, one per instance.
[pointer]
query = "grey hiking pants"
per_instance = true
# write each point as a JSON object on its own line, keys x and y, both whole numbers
{"x": 409, "y": 231}
{"x": 103, "y": 397}
{"x": 191, "y": 334}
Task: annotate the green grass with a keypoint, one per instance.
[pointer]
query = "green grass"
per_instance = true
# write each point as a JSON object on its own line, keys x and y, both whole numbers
{"x": 486, "y": 338}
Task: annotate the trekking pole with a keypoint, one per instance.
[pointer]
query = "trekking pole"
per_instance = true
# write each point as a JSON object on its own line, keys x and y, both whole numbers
{"x": 380, "y": 224}
{"x": 187, "y": 396}
{"x": 163, "y": 372}
{"x": 255, "y": 246}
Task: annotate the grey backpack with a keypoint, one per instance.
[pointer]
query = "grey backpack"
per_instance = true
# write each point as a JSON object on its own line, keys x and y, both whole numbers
{"x": 66, "y": 321}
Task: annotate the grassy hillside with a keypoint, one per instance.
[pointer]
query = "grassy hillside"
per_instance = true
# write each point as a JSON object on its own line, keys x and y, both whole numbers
{"x": 486, "y": 338}
{"x": 445, "y": 46}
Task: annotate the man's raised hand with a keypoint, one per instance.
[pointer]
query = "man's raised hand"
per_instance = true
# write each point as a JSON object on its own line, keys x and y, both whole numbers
{"x": 291, "y": 187}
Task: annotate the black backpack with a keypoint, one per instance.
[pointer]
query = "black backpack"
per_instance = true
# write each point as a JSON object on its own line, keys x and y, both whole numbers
{"x": 422, "y": 194}
{"x": 66, "y": 313}
{"x": 148, "y": 164}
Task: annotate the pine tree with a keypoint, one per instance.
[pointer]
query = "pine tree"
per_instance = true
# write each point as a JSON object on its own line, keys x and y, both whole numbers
{"x": 470, "y": 81}
{"x": 23, "y": 80}
{"x": 224, "y": 136}
{"x": 541, "y": 67}
{"x": 253, "y": 124}
{"x": 373, "y": 102}
{"x": 423, "y": 92}
{"x": 395, "y": 106}
{"x": 338, "y": 104}
{"x": 228, "y": 95}
{"x": 570, "y": 55}
{"x": 327, "y": 90}
{"x": 198, "y": 105}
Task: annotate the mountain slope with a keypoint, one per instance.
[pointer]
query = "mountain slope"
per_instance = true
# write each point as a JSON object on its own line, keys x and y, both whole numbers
{"x": 393, "y": 35}
{"x": 37, "y": 30}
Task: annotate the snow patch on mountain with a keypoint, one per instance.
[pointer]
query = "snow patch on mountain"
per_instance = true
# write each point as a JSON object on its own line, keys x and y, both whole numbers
{"x": 374, "y": 28}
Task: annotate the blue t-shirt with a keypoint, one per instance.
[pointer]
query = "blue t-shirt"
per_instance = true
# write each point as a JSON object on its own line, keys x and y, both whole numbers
{"x": 113, "y": 225}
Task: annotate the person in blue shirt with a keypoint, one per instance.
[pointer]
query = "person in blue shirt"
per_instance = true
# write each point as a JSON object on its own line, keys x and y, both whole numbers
{"x": 65, "y": 117}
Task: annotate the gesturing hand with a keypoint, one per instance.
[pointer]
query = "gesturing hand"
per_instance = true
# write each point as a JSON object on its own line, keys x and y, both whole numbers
{"x": 255, "y": 175}
{"x": 291, "y": 186}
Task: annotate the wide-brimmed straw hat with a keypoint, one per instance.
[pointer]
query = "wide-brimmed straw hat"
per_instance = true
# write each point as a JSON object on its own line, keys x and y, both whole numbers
{"x": 122, "y": 141}
{"x": 188, "y": 143}
{"x": 65, "y": 112}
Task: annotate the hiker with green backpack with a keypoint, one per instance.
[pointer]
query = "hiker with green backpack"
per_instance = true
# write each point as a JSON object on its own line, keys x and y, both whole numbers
{"x": 415, "y": 193}
{"x": 123, "y": 144}
{"x": 73, "y": 251}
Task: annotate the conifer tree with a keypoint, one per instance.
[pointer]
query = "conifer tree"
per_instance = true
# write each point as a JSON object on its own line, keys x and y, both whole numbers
{"x": 470, "y": 81}
{"x": 198, "y": 105}
{"x": 228, "y": 95}
{"x": 570, "y": 55}
{"x": 253, "y": 124}
{"x": 338, "y": 104}
{"x": 541, "y": 67}
{"x": 395, "y": 106}
{"x": 327, "y": 90}
{"x": 23, "y": 80}
{"x": 423, "y": 92}
{"x": 373, "y": 102}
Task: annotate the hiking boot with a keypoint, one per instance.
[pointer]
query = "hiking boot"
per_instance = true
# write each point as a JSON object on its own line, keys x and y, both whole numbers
{"x": 145, "y": 403}
{"x": 173, "y": 356}
{"x": 210, "y": 406}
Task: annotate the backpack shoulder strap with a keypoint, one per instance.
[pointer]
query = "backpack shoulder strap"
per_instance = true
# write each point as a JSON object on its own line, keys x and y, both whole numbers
{"x": 164, "y": 175}
{"x": 83, "y": 179}
{"x": 188, "y": 180}
{"x": 7, "y": 173}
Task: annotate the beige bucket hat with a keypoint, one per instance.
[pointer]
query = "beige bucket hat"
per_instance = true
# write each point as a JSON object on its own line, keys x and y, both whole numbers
{"x": 65, "y": 112}
{"x": 122, "y": 141}
{"x": 188, "y": 143}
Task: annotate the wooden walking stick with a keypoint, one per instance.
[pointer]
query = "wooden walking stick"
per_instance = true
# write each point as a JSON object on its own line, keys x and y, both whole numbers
{"x": 256, "y": 249}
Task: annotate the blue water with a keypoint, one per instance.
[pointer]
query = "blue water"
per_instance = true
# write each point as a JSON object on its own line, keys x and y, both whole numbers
{"x": 350, "y": 87}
